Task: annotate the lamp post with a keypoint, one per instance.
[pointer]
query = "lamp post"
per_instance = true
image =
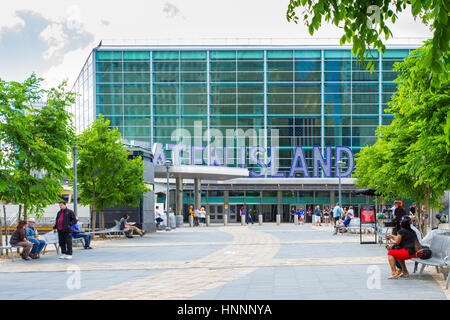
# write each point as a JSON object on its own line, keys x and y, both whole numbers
{"x": 167, "y": 164}
{"x": 75, "y": 198}
{"x": 339, "y": 165}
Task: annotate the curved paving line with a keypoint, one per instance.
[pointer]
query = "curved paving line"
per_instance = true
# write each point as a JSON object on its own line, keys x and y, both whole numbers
{"x": 188, "y": 282}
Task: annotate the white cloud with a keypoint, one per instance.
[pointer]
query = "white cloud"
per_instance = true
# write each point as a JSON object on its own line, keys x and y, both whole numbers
{"x": 56, "y": 39}
{"x": 9, "y": 20}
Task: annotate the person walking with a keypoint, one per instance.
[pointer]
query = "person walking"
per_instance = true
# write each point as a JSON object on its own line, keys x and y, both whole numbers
{"x": 398, "y": 214}
{"x": 302, "y": 216}
{"x": 196, "y": 217}
{"x": 19, "y": 239}
{"x": 65, "y": 219}
{"x": 317, "y": 214}
{"x": 326, "y": 215}
{"x": 158, "y": 218}
{"x": 33, "y": 237}
{"x": 249, "y": 216}
{"x": 292, "y": 212}
{"x": 242, "y": 212}
{"x": 336, "y": 216}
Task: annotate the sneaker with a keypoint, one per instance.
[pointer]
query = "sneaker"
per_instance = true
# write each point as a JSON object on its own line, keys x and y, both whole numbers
{"x": 88, "y": 247}
{"x": 68, "y": 257}
{"x": 26, "y": 258}
{"x": 63, "y": 256}
{"x": 34, "y": 256}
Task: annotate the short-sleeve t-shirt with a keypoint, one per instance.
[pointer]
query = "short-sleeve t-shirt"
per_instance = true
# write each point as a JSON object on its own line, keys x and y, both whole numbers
{"x": 408, "y": 239}
{"x": 317, "y": 212}
{"x": 122, "y": 223}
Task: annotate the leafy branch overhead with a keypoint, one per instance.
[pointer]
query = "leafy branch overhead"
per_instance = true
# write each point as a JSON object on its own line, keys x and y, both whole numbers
{"x": 34, "y": 141}
{"x": 365, "y": 24}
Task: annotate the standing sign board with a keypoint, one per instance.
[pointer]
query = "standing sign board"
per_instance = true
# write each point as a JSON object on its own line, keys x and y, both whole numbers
{"x": 368, "y": 220}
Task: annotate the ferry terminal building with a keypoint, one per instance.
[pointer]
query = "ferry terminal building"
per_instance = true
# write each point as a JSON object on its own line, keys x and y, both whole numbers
{"x": 298, "y": 106}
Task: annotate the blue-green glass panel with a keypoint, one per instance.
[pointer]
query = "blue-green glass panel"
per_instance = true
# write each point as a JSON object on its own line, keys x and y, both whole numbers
{"x": 306, "y": 200}
{"x": 165, "y": 55}
{"x": 337, "y": 54}
{"x": 279, "y": 54}
{"x": 236, "y": 200}
{"x": 307, "y": 54}
{"x": 108, "y": 55}
{"x": 215, "y": 200}
{"x": 253, "y": 200}
{"x": 193, "y": 55}
{"x": 289, "y": 200}
{"x": 222, "y": 55}
{"x": 136, "y": 55}
{"x": 322, "y": 200}
{"x": 269, "y": 200}
{"x": 403, "y": 53}
{"x": 110, "y": 66}
{"x": 369, "y": 54}
{"x": 257, "y": 55}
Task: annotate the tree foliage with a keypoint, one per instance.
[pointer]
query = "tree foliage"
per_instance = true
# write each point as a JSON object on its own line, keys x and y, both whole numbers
{"x": 34, "y": 140}
{"x": 365, "y": 24}
{"x": 411, "y": 157}
{"x": 105, "y": 175}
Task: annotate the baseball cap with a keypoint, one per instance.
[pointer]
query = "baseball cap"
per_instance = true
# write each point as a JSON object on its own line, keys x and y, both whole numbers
{"x": 405, "y": 218}
{"x": 31, "y": 220}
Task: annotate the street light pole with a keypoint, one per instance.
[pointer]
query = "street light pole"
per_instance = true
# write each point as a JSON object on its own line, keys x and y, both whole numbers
{"x": 167, "y": 164}
{"x": 339, "y": 165}
{"x": 75, "y": 195}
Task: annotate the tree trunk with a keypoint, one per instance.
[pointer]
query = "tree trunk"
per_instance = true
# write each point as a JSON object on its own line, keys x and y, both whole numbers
{"x": 1, "y": 236}
{"x": 25, "y": 209}
{"x": 93, "y": 213}
{"x": 427, "y": 208}
{"x": 6, "y": 225}
{"x": 101, "y": 221}
{"x": 20, "y": 212}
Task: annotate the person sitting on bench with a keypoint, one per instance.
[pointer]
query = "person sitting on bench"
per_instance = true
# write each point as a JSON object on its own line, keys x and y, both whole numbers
{"x": 124, "y": 224}
{"x": 343, "y": 224}
{"x": 77, "y": 233}
{"x": 33, "y": 237}
{"x": 19, "y": 239}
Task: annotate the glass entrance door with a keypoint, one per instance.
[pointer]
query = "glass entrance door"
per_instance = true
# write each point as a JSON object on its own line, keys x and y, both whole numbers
{"x": 215, "y": 212}
{"x": 235, "y": 215}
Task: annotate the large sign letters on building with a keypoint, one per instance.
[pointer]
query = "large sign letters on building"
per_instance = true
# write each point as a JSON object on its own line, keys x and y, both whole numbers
{"x": 225, "y": 156}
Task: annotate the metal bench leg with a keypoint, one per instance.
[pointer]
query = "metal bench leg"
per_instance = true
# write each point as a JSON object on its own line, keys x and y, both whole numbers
{"x": 421, "y": 270}
{"x": 437, "y": 269}
{"x": 415, "y": 266}
{"x": 12, "y": 254}
{"x": 448, "y": 278}
{"x": 443, "y": 272}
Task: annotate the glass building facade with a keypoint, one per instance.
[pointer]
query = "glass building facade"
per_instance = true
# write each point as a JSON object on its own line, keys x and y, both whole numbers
{"x": 300, "y": 96}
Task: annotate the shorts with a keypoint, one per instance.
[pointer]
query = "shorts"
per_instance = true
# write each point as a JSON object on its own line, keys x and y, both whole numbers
{"x": 401, "y": 254}
{"x": 317, "y": 218}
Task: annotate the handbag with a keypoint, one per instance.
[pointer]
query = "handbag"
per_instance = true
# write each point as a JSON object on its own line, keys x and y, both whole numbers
{"x": 423, "y": 252}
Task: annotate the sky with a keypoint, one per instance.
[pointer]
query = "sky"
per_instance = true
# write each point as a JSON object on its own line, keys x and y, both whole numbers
{"x": 54, "y": 38}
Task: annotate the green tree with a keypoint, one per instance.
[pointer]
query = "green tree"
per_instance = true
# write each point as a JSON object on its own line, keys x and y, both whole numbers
{"x": 35, "y": 142}
{"x": 105, "y": 175}
{"x": 411, "y": 157}
{"x": 365, "y": 23}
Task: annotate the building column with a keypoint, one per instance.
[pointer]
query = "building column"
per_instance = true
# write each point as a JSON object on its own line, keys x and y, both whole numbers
{"x": 197, "y": 193}
{"x": 179, "y": 196}
{"x": 332, "y": 202}
{"x": 226, "y": 204}
{"x": 280, "y": 204}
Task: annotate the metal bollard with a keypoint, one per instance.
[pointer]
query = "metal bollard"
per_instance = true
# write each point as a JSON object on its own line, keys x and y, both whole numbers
{"x": 278, "y": 219}
{"x": 225, "y": 219}
{"x": 242, "y": 220}
{"x": 191, "y": 221}
{"x": 208, "y": 220}
{"x": 260, "y": 219}
{"x": 295, "y": 219}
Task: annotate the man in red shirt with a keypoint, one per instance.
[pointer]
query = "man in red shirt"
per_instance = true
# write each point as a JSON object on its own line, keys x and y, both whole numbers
{"x": 65, "y": 219}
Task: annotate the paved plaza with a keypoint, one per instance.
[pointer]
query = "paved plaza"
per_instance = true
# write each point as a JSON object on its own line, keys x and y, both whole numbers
{"x": 220, "y": 262}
